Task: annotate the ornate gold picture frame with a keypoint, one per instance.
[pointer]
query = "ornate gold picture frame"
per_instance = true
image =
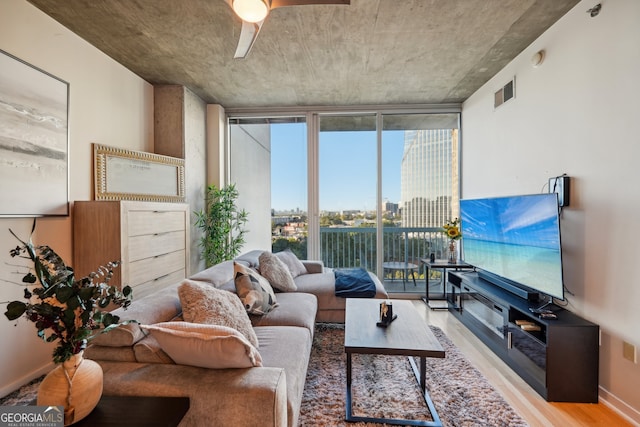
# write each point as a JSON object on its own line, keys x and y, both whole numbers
{"x": 135, "y": 175}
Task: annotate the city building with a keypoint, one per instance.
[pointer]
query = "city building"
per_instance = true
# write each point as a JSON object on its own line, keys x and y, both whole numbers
{"x": 429, "y": 183}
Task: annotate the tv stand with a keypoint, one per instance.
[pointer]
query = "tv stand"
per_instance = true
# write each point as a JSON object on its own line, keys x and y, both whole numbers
{"x": 558, "y": 357}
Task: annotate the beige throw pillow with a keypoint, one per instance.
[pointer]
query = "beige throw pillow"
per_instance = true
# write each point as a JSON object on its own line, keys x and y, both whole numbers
{"x": 254, "y": 290}
{"x": 203, "y": 303}
{"x": 276, "y": 272}
{"x": 295, "y": 266}
{"x": 205, "y": 346}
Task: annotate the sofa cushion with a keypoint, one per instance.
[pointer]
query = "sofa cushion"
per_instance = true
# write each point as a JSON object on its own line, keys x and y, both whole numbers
{"x": 287, "y": 347}
{"x": 251, "y": 258}
{"x": 114, "y": 354}
{"x": 203, "y": 303}
{"x": 276, "y": 272}
{"x": 322, "y": 285}
{"x": 254, "y": 290}
{"x": 205, "y": 346}
{"x": 148, "y": 350}
{"x": 217, "y": 275}
{"x": 160, "y": 306}
{"x": 294, "y": 309}
{"x": 296, "y": 267}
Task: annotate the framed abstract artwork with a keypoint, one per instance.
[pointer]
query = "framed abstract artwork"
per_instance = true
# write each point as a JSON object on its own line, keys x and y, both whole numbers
{"x": 121, "y": 174}
{"x": 34, "y": 141}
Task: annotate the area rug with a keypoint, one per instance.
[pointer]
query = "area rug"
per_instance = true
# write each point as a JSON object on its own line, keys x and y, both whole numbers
{"x": 385, "y": 386}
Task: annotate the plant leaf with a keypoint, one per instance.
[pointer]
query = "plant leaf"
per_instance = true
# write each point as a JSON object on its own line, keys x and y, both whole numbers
{"x": 15, "y": 309}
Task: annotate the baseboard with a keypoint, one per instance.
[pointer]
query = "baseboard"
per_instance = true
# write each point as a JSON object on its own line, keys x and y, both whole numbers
{"x": 627, "y": 412}
{"x": 13, "y": 386}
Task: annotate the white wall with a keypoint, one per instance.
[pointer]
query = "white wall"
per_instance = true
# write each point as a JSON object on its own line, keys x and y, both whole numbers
{"x": 250, "y": 169}
{"x": 578, "y": 113}
{"x": 108, "y": 105}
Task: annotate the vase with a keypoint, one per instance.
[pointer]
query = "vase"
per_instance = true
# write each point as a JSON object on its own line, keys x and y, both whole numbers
{"x": 75, "y": 384}
{"x": 453, "y": 253}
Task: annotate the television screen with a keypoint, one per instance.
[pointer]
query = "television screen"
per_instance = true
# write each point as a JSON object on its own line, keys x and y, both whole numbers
{"x": 516, "y": 238}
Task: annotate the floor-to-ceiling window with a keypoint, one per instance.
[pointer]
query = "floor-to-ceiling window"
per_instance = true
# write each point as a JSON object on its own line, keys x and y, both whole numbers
{"x": 347, "y": 188}
{"x": 357, "y": 189}
{"x": 420, "y": 169}
{"x": 289, "y": 187}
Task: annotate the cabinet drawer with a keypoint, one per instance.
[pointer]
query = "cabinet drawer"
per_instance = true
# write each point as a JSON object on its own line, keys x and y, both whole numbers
{"x": 148, "y": 269}
{"x": 150, "y": 245}
{"x": 152, "y": 222}
{"x": 143, "y": 289}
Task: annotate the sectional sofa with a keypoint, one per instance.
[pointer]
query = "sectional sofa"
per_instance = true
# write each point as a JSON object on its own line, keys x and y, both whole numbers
{"x": 135, "y": 362}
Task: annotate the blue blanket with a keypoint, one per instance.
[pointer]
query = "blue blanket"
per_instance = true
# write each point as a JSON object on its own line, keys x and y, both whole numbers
{"x": 354, "y": 283}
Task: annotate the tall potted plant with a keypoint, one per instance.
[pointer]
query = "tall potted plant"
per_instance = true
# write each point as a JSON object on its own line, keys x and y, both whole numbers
{"x": 223, "y": 224}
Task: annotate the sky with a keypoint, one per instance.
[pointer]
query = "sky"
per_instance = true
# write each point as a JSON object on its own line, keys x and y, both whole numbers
{"x": 347, "y": 168}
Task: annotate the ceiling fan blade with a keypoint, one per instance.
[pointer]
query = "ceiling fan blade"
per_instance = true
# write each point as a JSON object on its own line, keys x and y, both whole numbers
{"x": 282, "y": 3}
{"x": 248, "y": 35}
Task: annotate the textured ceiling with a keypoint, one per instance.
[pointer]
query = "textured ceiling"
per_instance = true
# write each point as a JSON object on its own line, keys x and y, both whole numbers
{"x": 371, "y": 52}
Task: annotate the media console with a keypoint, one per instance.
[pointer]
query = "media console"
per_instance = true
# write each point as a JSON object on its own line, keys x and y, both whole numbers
{"x": 557, "y": 357}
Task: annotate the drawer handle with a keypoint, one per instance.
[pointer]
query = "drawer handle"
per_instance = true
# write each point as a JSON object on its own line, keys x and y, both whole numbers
{"x": 161, "y": 277}
{"x": 509, "y": 340}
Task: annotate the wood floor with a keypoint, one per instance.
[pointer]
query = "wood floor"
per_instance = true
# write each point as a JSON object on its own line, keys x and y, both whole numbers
{"x": 533, "y": 408}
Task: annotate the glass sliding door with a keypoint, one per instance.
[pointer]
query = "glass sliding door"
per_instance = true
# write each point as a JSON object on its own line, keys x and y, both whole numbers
{"x": 289, "y": 187}
{"x": 347, "y": 189}
{"x": 268, "y": 165}
{"x": 420, "y": 188}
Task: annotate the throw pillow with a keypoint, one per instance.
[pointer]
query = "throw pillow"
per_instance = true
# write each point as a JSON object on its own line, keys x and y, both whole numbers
{"x": 295, "y": 266}
{"x": 205, "y": 346}
{"x": 276, "y": 272}
{"x": 254, "y": 290}
{"x": 203, "y": 303}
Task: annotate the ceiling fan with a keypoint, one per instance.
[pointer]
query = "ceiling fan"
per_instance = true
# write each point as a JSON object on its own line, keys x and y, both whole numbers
{"x": 254, "y": 12}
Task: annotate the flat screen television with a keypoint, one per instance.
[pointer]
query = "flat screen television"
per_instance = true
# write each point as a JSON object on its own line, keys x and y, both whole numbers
{"x": 516, "y": 240}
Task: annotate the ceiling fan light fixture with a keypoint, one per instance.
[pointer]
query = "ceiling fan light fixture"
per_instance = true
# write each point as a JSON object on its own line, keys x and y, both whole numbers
{"x": 251, "y": 10}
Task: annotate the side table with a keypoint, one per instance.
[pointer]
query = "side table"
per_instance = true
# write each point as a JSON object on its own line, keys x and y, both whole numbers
{"x": 442, "y": 264}
{"x": 405, "y": 267}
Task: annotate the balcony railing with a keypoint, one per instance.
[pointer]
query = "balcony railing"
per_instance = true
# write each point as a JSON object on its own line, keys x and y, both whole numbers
{"x": 344, "y": 247}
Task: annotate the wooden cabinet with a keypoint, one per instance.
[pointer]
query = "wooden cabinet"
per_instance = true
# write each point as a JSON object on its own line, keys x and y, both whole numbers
{"x": 150, "y": 239}
{"x": 558, "y": 358}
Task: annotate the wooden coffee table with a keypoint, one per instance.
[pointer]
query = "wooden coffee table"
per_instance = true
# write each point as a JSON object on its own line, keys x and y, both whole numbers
{"x": 408, "y": 335}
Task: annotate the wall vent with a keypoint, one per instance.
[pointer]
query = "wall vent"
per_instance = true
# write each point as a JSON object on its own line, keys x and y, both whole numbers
{"x": 505, "y": 93}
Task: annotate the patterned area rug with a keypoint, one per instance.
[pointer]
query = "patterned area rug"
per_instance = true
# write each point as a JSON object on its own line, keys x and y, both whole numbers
{"x": 384, "y": 386}
{"x": 24, "y": 395}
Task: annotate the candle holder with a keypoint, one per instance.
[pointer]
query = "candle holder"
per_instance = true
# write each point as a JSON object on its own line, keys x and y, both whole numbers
{"x": 386, "y": 314}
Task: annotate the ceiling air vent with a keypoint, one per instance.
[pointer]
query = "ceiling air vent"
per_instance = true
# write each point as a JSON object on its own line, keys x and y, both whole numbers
{"x": 505, "y": 93}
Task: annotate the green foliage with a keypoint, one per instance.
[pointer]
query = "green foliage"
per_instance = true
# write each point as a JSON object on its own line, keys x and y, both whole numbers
{"x": 223, "y": 225}
{"x": 62, "y": 308}
{"x": 297, "y": 246}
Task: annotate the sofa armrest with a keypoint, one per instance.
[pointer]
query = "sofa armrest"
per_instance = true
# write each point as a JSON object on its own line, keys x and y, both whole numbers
{"x": 313, "y": 266}
{"x": 215, "y": 395}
